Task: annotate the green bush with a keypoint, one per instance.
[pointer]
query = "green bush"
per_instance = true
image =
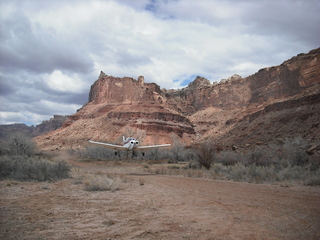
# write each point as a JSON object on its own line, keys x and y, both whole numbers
{"x": 25, "y": 168}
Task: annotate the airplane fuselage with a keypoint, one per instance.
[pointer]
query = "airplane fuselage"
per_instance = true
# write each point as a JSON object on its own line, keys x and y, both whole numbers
{"x": 130, "y": 143}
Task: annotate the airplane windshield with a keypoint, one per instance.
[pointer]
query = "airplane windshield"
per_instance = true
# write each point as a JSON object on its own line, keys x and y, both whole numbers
{"x": 130, "y": 138}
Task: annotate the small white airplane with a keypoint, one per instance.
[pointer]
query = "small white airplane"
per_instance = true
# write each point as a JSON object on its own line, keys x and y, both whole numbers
{"x": 130, "y": 144}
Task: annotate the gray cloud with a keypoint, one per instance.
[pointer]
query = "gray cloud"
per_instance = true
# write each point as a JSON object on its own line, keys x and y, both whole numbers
{"x": 28, "y": 46}
{"x": 52, "y": 51}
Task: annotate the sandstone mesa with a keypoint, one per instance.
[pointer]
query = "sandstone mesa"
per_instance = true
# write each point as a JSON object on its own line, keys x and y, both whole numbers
{"x": 273, "y": 104}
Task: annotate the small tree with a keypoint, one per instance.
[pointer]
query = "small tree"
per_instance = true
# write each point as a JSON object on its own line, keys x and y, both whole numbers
{"x": 205, "y": 154}
{"x": 177, "y": 151}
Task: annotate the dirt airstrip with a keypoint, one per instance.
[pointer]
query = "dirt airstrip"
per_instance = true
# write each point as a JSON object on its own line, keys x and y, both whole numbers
{"x": 152, "y": 206}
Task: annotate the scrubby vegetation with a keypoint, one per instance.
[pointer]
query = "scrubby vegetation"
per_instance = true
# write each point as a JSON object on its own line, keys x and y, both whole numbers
{"x": 285, "y": 162}
{"x": 97, "y": 153}
{"x": 282, "y": 163}
{"x": 205, "y": 154}
{"x": 175, "y": 154}
{"x": 19, "y": 161}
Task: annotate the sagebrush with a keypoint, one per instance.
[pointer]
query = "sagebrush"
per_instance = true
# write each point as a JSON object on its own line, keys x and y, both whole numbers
{"x": 20, "y": 161}
{"x": 25, "y": 168}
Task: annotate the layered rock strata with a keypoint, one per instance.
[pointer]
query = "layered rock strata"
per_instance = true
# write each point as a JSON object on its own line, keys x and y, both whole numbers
{"x": 273, "y": 103}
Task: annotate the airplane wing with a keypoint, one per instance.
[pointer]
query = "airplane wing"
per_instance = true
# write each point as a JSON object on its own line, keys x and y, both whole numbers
{"x": 112, "y": 146}
{"x": 144, "y": 148}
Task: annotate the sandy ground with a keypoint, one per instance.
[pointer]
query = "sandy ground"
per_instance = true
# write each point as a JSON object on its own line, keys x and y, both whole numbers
{"x": 156, "y": 207}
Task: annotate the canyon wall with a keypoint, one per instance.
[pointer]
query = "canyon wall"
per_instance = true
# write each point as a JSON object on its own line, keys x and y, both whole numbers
{"x": 229, "y": 112}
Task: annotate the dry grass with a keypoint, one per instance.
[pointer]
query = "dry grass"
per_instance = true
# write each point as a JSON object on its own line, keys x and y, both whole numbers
{"x": 247, "y": 173}
{"x": 141, "y": 181}
{"x": 102, "y": 183}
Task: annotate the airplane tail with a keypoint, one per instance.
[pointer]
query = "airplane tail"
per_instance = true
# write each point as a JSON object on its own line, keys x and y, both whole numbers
{"x": 124, "y": 139}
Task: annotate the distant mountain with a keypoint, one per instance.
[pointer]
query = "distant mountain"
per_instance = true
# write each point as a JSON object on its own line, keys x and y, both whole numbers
{"x": 33, "y": 131}
{"x": 6, "y": 130}
{"x": 273, "y": 104}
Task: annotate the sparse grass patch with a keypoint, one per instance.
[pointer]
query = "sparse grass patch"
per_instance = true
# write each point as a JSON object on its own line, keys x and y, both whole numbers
{"x": 109, "y": 222}
{"x": 100, "y": 181}
{"x": 141, "y": 181}
{"x": 10, "y": 182}
{"x": 260, "y": 174}
{"x": 78, "y": 180}
{"x": 145, "y": 165}
{"x": 173, "y": 167}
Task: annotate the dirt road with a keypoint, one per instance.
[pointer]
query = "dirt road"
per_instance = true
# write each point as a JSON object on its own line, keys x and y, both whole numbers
{"x": 157, "y": 207}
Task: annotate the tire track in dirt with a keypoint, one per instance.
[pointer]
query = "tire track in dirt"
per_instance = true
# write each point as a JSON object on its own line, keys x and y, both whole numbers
{"x": 197, "y": 212}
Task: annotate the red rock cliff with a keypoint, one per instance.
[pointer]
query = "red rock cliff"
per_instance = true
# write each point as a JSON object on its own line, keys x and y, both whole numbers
{"x": 200, "y": 111}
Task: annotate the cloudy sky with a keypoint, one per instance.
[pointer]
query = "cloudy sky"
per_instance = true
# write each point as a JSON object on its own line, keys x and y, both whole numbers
{"x": 51, "y": 52}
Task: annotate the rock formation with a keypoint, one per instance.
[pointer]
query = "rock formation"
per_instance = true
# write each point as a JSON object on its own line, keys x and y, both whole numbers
{"x": 276, "y": 102}
{"x": 49, "y": 125}
{"x": 44, "y": 127}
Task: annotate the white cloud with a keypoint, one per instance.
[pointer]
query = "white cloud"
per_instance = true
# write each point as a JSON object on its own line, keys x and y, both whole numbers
{"x": 26, "y": 117}
{"x": 12, "y": 117}
{"x": 64, "y": 83}
{"x": 246, "y": 67}
{"x": 58, "y": 108}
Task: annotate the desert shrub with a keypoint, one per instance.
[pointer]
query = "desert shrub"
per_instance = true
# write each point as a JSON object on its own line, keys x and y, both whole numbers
{"x": 153, "y": 154}
{"x": 294, "y": 151}
{"x": 313, "y": 179}
{"x": 205, "y": 154}
{"x": 237, "y": 172}
{"x": 25, "y": 168}
{"x": 259, "y": 174}
{"x": 3, "y": 148}
{"x": 227, "y": 158}
{"x": 314, "y": 162}
{"x": 260, "y": 156}
{"x": 193, "y": 165}
{"x": 292, "y": 173}
{"x": 18, "y": 144}
{"x": 177, "y": 152}
{"x": 157, "y": 154}
{"x": 98, "y": 153}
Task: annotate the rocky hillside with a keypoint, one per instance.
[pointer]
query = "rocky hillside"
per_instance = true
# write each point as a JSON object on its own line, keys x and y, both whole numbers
{"x": 268, "y": 106}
